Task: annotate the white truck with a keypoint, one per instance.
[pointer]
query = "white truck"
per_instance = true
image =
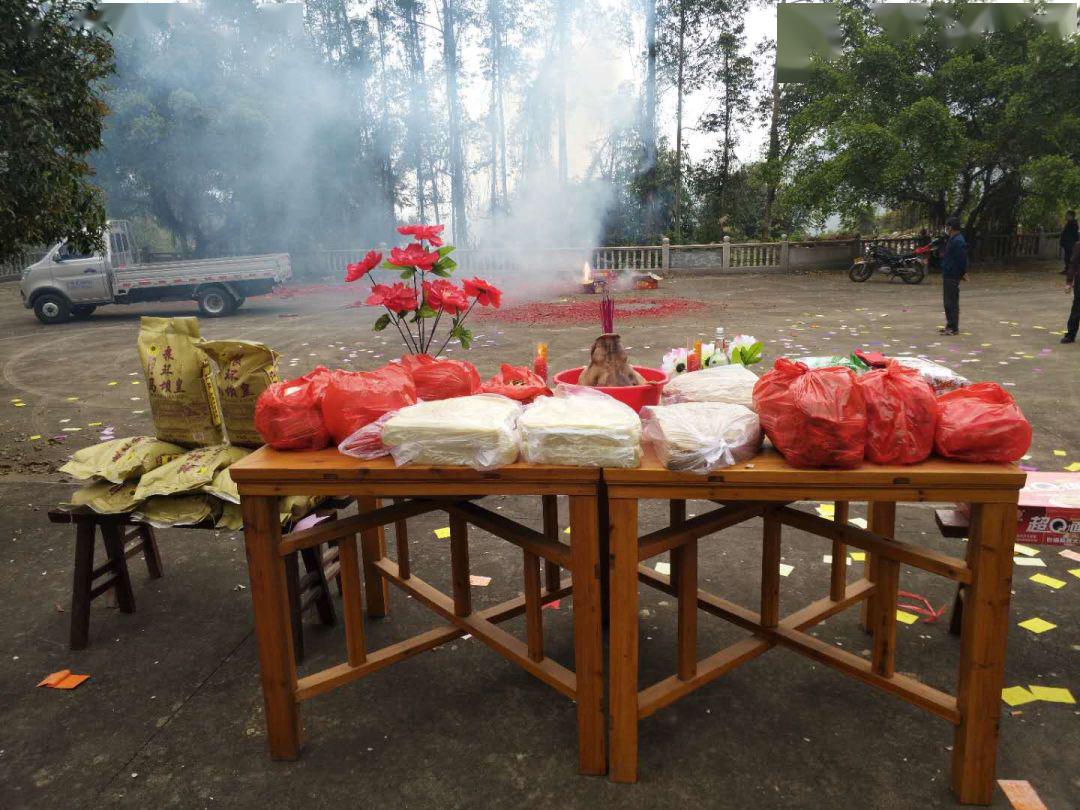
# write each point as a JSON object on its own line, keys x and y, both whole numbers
{"x": 67, "y": 284}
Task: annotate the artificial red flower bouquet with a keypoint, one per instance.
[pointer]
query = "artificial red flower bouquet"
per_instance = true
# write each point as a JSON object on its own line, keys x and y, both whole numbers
{"x": 415, "y": 306}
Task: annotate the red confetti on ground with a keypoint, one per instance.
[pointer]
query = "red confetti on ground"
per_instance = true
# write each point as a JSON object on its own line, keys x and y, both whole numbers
{"x": 628, "y": 308}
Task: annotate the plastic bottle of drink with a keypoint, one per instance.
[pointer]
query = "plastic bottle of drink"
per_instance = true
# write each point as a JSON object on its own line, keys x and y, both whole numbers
{"x": 719, "y": 357}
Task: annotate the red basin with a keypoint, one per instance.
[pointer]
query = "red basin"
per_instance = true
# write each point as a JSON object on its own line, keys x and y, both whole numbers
{"x": 636, "y": 396}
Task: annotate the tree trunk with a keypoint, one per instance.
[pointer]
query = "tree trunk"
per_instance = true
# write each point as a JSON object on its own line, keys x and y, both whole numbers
{"x": 417, "y": 119}
{"x": 681, "y": 57}
{"x": 649, "y": 128}
{"x": 453, "y": 101}
{"x": 382, "y": 140}
{"x": 562, "y": 24}
{"x": 772, "y": 158}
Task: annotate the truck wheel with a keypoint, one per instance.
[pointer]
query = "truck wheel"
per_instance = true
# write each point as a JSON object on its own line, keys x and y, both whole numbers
{"x": 83, "y": 310}
{"x": 52, "y": 308}
{"x": 216, "y": 302}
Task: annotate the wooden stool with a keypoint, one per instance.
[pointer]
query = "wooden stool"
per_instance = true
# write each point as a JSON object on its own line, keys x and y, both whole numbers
{"x": 121, "y": 539}
{"x": 954, "y": 523}
{"x": 312, "y": 589}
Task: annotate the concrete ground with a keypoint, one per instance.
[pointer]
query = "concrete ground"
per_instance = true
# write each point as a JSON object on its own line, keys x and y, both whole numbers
{"x": 172, "y": 714}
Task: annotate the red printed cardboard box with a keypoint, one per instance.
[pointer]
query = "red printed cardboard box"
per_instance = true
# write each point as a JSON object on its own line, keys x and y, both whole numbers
{"x": 1049, "y": 509}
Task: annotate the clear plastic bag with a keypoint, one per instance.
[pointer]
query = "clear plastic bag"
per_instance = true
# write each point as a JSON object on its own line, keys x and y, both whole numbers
{"x": 478, "y": 431}
{"x": 939, "y": 377}
{"x": 732, "y": 383}
{"x": 701, "y": 436}
{"x": 580, "y": 427}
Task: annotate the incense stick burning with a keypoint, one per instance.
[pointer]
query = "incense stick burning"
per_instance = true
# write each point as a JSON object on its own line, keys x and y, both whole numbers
{"x": 607, "y": 313}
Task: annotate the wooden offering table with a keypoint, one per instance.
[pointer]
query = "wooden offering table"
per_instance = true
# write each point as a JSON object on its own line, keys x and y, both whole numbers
{"x": 266, "y": 475}
{"x": 764, "y": 488}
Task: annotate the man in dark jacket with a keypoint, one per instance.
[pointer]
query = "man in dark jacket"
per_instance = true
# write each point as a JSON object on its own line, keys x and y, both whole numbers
{"x": 1070, "y": 235}
{"x": 953, "y": 271}
{"x": 1072, "y": 282}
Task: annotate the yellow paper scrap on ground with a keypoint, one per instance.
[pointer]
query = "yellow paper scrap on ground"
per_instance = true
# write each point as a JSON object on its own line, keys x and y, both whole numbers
{"x": 1017, "y": 696}
{"x": 443, "y": 533}
{"x": 858, "y": 556}
{"x": 1027, "y": 552}
{"x": 1074, "y": 571}
{"x": 566, "y": 530}
{"x": 1043, "y": 579}
{"x": 1060, "y": 453}
{"x": 114, "y": 382}
{"x": 1074, "y": 467}
{"x": 905, "y": 617}
{"x": 35, "y": 437}
{"x": 662, "y": 568}
{"x": 1052, "y": 694}
{"x": 1021, "y": 794}
{"x": 479, "y": 581}
{"x": 826, "y": 510}
{"x": 1037, "y": 625}
{"x": 860, "y": 522}
{"x": 786, "y": 569}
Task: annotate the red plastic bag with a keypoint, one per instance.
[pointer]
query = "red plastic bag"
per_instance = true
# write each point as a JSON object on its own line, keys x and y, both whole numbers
{"x": 901, "y": 415}
{"x": 288, "y": 415}
{"x": 815, "y": 417}
{"x": 441, "y": 379}
{"x": 981, "y": 423}
{"x": 357, "y": 398}
{"x": 516, "y": 382}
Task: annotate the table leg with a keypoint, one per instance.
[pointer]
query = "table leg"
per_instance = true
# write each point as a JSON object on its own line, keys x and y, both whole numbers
{"x": 273, "y": 631}
{"x": 82, "y": 582}
{"x": 882, "y": 521}
{"x": 550, "y": 508}
{"x": 623, "y": 640}
{"x": 373, "y": 549}
{"x": 588, "y": 641}
{"x": 982, "y": 650}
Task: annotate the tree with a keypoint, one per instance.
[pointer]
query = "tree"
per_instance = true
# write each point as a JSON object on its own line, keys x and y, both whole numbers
{"x": 51, "y": 98}
{"x": 647, "y": 180}
{"x": 450, "y": 22}
{"x": 976, "y": 129}
{"x": 733, "y": 77}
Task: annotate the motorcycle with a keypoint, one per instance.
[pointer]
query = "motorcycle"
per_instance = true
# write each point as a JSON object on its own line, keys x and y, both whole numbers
{"x": 908, "y": 267}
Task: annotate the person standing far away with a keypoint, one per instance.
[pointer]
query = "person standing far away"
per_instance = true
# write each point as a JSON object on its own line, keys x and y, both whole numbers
{"x": 1072, "y": 283}
{"x": 953, "y": 270}
{"x": 1070, "y": 235}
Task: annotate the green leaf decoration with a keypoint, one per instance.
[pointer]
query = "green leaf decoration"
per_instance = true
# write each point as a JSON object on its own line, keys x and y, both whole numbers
{"x": 446, "y": 264}
{"x": 427, "y": 312}
{"x": 446, "y": 250}
{"x": 463, "y": 335}
{"x": 407, "y": 273}
{"x": 381, "y": 322}
{"x": 438, "y": 271}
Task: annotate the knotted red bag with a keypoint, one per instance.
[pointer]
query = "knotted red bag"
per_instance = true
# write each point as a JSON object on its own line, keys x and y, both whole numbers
{"x": 288, "y": 415}
{"x": 901, "y": 415}
{"x": 981, "y": 423}
{"x": 814, "y": 417}
{"x": 516, "y": 382}
{"x": 441, "y": 379}
{"x": 357, "y": 398}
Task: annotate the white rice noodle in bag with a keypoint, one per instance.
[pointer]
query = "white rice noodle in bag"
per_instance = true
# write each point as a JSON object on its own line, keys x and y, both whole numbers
{"x": 478, "y": 431}
{"x": 732, "y": 384}
{"x": 940, "y": 378}
{"x": 701, "y": 436}
{"x": 580, "y": 427}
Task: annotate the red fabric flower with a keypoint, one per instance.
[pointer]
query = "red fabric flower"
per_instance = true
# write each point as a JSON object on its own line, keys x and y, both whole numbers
{"x": 364, "y": 266}
{"x": 486, "y": 295}
{"x": 414, "y": 255}
{"x": 441, "y": 294}
{"x": 428, "y": 233}
{"x": 395, "y": 297}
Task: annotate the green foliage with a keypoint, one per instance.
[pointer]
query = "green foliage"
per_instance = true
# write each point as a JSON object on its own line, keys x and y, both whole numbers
{"x": 381, "y": 322}
{"x": 747, "y": 355}
{"x": 986, "y": 129}
{"x": 51, "y": 102}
